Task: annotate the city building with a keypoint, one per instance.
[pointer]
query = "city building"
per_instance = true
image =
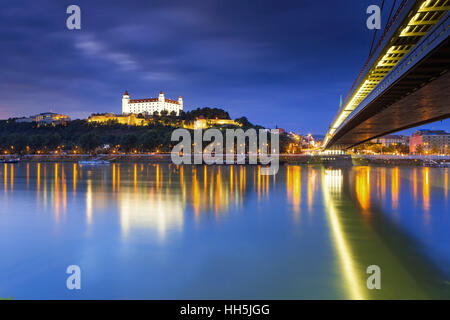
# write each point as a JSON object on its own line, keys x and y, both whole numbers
{"x": 391, "y": 139}
{"x": 130, "y": 119}
{"x": 430, "y": 140}
{"x": 46, "y": 118}
{"x": 151, "y": 105}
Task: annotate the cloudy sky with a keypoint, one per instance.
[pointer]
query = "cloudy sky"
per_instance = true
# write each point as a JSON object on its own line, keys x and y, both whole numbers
{"x": 277, "y": 62}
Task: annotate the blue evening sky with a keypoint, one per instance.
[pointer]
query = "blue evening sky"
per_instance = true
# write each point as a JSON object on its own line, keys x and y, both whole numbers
{"x": 279, "y": 62}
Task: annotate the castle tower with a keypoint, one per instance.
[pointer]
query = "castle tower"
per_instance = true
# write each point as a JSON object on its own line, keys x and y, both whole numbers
{"x": 125, "y": 103}
{"x": 161, "y": 97}
{"x": 180, "y": 105}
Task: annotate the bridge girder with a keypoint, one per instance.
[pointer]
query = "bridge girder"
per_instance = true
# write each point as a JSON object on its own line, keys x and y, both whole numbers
{"x": 420, "y": 97}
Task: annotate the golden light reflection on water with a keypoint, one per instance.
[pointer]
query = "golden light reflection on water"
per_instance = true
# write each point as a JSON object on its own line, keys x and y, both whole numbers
{"x": 395, "y": 187}
{"x": 28, "y": 176}
{"x": 216, "y": 194}
{"x": 229, "y": 182}
{"x": 135, "y": 176}
{"x": 12, "y": 177}
{"x": 44, "y": 189}
{"x": 446, "y": 183}
{"x": 118, "y": 177}
{"x": 426, "y": 189}
{"x": 89, "y": 204}
{"x": 38, "y": 179}
{"x": 196, "y": 194}
{"x": 113, "y": 177}
{"x": 74, "y": 178}
{"x": 414, "y": 184}
{"x": 5, "y": 175}
{"x": 362, "y": 185}
{"x": 294, "y": 188}
{"x": 311, "y": 188}
{"x": 206, "y": 189}
{"x": 55, "y": 192}
{"x": 64, "y": 190}
{"x": 160, "y": 202}
{"x": 332, "y": 182}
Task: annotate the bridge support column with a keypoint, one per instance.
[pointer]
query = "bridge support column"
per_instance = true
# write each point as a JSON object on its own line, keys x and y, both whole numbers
{"x": 337, "y": 149}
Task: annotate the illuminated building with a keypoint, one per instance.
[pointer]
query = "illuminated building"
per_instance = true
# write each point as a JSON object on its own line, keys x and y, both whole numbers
{"x": 46, "y": 118}
{"x": 202, "y": 123}
{"x": 130, "y": 119}
{"x": 151, "y": 105}
{"x": 428, "y": 139}
{"x": 392, "y": 139}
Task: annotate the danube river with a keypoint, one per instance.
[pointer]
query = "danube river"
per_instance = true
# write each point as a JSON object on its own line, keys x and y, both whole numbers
{"x": 160, "y": 231}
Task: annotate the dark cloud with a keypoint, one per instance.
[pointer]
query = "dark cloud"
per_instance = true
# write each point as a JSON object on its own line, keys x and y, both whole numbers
{"x": 279, "y": 62}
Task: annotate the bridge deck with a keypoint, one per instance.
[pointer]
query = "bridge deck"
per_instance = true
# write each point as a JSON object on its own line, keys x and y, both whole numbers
{"x": 396, "y": 110}
{"x": 410, "y": 64}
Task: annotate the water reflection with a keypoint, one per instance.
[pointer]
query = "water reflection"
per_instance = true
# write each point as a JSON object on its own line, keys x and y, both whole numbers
{"x": 311, "y": 188}
{"x": 426, "y": 189}
{"x": 5, "y": 175}
{"x": 363, "y": 187}
{"x": 332, "y": 187}
{"x": 395, "y": 187}
{"x": 446, "y": 183}
{"x": 294, "y": 188}
{"x": 172, "y": 188}
{"x": 355, "y": 217}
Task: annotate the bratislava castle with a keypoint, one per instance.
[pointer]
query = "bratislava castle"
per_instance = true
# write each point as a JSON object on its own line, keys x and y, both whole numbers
{"x": 151, "y": 105}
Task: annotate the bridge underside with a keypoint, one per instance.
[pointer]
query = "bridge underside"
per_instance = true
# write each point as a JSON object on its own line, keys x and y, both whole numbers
{"x": 419, "y": 97}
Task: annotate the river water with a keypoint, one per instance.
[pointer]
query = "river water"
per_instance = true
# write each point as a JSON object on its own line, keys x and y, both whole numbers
{"x": 161, "y": 231}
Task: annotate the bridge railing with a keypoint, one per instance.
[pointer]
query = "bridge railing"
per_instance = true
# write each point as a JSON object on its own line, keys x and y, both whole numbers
{"x": 436, "y": 36}
{"x": 397, "y": 20}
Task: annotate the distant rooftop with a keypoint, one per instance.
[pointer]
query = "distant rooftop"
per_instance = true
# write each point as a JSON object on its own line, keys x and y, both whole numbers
{"x": 428, "y": 132}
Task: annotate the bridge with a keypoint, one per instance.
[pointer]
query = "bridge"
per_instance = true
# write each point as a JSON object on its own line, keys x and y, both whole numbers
{"x": 404, "y": 82}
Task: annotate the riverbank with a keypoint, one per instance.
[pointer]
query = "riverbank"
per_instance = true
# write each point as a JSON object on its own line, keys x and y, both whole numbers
{"x": 151, "y": 158}
{"x": 157, "y": 158}
{"x": 391, "y": 160}
{"x": 326, "y": 160}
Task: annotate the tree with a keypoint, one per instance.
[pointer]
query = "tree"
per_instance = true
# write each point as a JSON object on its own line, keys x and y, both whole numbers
{"x": 285, "y": 142}
{"x": 89, "y": 142}
{"x": 128, "y": 142}
{"x": 376, "y": 148}
{"x": 208, "y": 113}
{"x": 419, "y": 149}
{"x": 244, "y": 122}
{"x": 37, "y": 142}
{"x": 53, "y": 141}
{"x": 403, "y": 149}
{"x": 19, "y": 142}
{"x": 435, "y": 149}
{"x": 149, "y": 140}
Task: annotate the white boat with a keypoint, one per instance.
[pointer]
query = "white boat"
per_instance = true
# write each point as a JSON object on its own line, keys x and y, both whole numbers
{"x": 93, "y": 162}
